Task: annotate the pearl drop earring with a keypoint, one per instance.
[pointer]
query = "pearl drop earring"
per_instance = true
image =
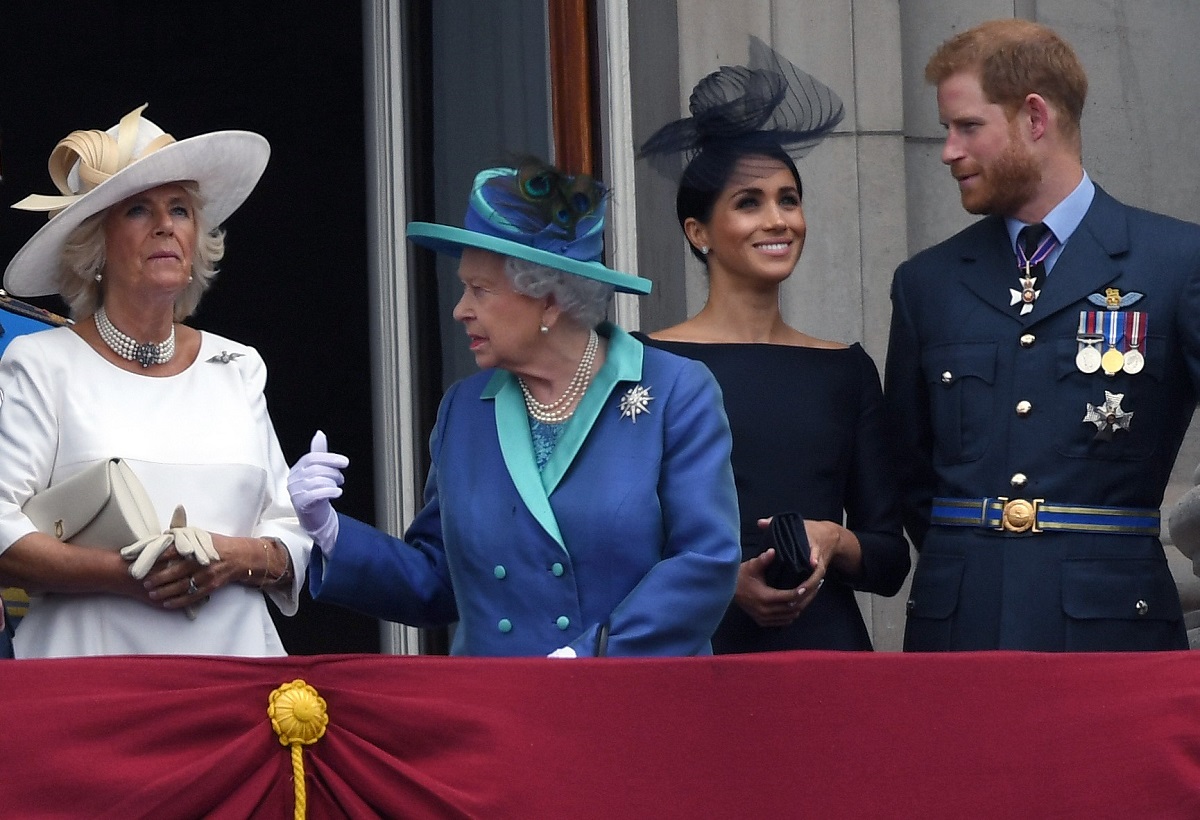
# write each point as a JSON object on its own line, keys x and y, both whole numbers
{"x": 704, "y": 250}
{"x": 544, "y": 329}
{"x": 99, "y": 277}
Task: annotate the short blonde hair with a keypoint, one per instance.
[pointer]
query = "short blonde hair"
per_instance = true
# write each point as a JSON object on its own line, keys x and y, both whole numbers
{"x": 83, "y": 258}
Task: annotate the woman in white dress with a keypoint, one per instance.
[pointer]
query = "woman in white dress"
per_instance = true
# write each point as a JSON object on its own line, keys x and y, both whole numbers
{"x": 131, "y": 246}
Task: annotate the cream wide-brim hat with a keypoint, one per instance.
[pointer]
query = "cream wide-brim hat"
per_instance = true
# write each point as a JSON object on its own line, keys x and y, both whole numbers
{"x": 94, "y": 170}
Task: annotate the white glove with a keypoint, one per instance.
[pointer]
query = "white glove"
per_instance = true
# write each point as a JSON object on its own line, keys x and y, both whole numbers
{"x": 314, "y": 480}
{"x": 563, "y": 652}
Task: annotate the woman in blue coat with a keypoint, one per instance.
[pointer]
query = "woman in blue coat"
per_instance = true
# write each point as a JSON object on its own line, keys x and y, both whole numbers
{"x": 580, "y": 499}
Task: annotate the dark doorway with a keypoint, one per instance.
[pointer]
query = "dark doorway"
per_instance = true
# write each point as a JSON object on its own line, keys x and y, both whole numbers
{"x": 294, "y": 281}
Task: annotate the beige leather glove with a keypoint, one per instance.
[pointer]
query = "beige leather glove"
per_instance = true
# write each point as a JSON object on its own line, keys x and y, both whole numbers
{"x": 192, "y": 542}
{"x": 145, "y": 553}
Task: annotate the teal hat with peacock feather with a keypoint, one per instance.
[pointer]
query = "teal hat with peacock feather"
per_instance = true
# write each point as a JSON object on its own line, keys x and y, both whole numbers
{"x": 537, "y": 213}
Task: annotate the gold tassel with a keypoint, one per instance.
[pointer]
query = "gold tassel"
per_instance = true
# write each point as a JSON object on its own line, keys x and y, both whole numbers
{"x": 299, "y": 716}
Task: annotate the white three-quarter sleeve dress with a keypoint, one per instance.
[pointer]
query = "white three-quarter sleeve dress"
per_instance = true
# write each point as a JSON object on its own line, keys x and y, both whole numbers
{"x": 202, "y": 438}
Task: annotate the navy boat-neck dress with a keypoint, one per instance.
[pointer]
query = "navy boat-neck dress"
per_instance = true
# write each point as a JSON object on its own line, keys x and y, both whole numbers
{"x": 809, "y": 435}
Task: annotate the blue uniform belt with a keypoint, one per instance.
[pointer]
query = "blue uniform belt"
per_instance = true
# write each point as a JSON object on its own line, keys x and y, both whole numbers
{"x": 1035, "y": 515}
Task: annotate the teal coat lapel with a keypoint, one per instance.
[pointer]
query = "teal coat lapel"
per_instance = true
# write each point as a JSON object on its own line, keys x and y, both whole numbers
{"x": 623, "y": 362}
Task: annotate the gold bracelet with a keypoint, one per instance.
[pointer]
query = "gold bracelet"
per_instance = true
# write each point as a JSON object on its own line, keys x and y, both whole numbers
{"x": 268, "y": 541}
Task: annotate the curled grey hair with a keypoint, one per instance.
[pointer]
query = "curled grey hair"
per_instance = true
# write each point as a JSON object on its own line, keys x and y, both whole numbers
{"x": 83, "y": 257}
{"x": 584, "y": 300}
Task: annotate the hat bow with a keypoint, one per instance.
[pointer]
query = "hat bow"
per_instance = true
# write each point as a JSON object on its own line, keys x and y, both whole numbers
{"x": 99, "y": 157}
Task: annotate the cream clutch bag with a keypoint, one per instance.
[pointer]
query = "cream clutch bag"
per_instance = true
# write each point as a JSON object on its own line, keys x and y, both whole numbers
{"x": 103, "y": 506}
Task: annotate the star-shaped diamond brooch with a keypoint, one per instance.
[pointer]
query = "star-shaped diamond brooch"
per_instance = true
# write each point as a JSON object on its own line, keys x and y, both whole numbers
{"x": 635, "y": 402}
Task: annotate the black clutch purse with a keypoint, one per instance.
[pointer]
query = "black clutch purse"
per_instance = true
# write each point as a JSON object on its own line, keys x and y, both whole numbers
{"x": 791, "y": 566}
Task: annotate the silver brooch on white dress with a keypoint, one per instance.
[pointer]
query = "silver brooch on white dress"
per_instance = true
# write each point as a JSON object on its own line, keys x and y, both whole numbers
{"x": 635, "y": 402}
{"x": 224, "y": 357}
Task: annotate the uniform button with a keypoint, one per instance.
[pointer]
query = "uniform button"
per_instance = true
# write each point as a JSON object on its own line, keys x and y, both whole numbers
{"x": 505, "y": 625}
{"x": 1028, "y": 339}
{"x": 910, "y": 605}
{"x": 947, "y": 377}
{"x": 563, "y": 622}
{"x": 557, "y": 569}
{"x": 1024, "y": 408}
{"x": 1018, "y": 480}
{"x": 499, "y": 571}
{"x": 1142, "y": 607}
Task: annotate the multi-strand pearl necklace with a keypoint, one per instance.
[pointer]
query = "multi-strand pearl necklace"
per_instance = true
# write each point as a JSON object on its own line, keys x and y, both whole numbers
{"x": 562, "y": 408}
{"x": 144, "y": 353}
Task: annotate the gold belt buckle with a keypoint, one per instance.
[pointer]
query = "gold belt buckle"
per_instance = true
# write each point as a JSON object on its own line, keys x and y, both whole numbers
{"x": 1019, "y": 515}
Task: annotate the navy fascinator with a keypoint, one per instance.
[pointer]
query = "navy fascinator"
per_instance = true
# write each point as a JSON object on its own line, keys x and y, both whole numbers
{"x": 768, "y": 103}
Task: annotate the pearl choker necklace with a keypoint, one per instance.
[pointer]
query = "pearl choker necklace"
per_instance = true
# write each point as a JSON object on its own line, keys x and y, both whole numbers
{"x": 128, "y": 348}
{"x": 563, "y": 408}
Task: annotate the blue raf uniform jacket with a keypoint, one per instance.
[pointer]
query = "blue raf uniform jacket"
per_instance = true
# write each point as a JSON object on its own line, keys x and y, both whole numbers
{"x": 989, "y": 403}
{"x": 633, "y": 521}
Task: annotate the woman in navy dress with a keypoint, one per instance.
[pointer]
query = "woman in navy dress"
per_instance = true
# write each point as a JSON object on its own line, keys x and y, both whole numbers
{"x": 807, "y": 414}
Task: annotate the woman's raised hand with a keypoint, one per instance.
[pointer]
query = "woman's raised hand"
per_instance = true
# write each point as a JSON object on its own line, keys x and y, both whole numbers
{"x": 313, "y": 482}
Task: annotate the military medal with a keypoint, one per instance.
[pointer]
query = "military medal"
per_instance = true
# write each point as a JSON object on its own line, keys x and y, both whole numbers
{"x": 1134, "y": 361}
{"x": 1113, "y": 360}
{"x": 1088, "y": 357}
{"x": 1108, "y": 417}
{"x": 1136, "y": 333}
{"x": 1123, "y": 332}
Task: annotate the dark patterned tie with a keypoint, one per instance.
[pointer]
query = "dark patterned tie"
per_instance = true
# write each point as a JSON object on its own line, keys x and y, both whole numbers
{"x": 1034, "y": 244}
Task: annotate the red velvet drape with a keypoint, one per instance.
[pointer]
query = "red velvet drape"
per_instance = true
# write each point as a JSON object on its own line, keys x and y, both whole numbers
{"x": 785, "y": 735}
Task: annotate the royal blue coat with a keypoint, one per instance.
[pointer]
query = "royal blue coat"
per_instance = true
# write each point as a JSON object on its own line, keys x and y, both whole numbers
{"x": 961, "y": 358}
{"x": 633, "y": 522}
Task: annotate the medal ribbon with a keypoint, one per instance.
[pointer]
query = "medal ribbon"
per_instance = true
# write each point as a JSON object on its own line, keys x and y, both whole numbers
{"x": 1045, "y": 248}
{"x": 1090, "y": 322}
{"x": 1114, "y": 330}
{"x": 1135, "y": 328}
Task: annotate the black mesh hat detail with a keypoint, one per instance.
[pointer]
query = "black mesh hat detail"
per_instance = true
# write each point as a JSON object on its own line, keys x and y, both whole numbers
{"x": 768, "y": 103}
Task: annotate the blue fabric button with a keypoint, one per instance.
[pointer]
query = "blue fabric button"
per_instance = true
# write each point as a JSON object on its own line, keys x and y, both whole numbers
{"x": 505, "y": 625}
{"x": 563, "y": 622}
{"x": 557, "y": 569}
{"x": 500, "y": 571}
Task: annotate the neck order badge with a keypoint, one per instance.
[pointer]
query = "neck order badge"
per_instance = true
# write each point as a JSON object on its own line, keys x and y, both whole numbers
{"x": 1034, "y": 244}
